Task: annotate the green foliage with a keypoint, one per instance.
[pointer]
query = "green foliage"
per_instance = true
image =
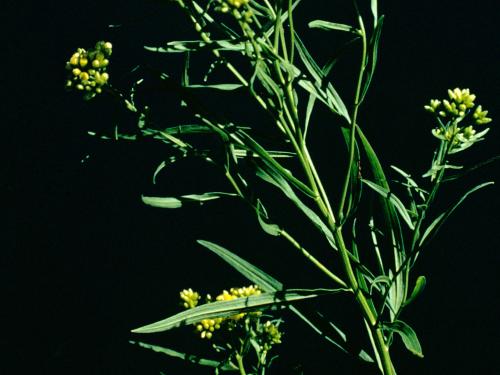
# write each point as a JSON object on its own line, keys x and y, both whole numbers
{"x": 263, "y": 55}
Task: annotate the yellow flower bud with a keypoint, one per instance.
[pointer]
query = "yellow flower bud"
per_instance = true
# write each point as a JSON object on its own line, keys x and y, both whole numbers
{"x": 84, "y": 76}
{"x": 74, "y": 59}
{"x": 80, "y": 87}
{"x": 104, "y": 62}
{"x": 83, "y": 62}
{"x": 76, "y": 72}
{"x": 98, "y": 90}
{"x": 96, "y": 63}
{"x": 108, "y": 45}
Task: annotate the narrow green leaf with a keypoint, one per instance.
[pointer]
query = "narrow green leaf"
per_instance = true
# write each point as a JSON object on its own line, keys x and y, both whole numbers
{"x": 309, "y": 110}
{"x": 326, "y": 25}
{"x": 251, "y": 272}
{"x": 182, "y": 46}
{"x": 219, "y": 86}
{"x": 224, "y": 309}
{"x": 394, "y": 199}
{"x": 308, "y": 61}
{"x": 470, "y": 169}
{"x": 380, "y": 280}
{"x": 278, "y": 181}
{"x": 162, "y": 202}
{"x": 270, "y": 284}
{"x": 419, "y": 288}
{"x": 172, "y": 202}
{"x": 271, "y": 165}
{"x": 272, "y": 229}
{"x": 374, "y": 45}
{"x": 283, "y": 18}
{"x": 396, "y": 292}
{"x": 374, "y": 8}
{"x": 337, "y": 103}
{"x": 187, "y": 357}
{"x": 436, "y": 224}
{"x": 407, "y": 334}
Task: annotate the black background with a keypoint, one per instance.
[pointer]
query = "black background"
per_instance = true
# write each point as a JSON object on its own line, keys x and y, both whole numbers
{"x": 85, "y": 261}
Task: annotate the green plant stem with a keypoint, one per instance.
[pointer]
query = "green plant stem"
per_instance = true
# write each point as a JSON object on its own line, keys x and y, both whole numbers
{"x": 241, "y": 367}
{"x": 312, "y": 259}
{"x": 354, "y": 120}
{"x": 292, "y": 31}
{"x": 406, "y": 265}
{"x": 381, "y": 346}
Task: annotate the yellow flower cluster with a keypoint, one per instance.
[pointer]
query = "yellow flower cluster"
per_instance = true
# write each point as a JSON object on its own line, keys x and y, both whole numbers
{"x": 238, "y": 8}
{"x": 207, "y": 327}
{"x": 451, "y": 112}
{"x": 87, "y": 69}
{"x": 272, "y": 335}
{"x": 480, "y": 116}
{"x": 252, "y": 290}
{"x": 228, "y": 4}
{"x": 190, "y": 298}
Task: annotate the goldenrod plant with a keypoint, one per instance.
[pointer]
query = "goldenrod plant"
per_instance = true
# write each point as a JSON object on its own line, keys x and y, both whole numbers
{"x": 254, "y": 48}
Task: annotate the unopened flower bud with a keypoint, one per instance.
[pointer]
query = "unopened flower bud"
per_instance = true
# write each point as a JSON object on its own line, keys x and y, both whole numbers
{"x": 84, "y": 76}
{"x": 74, "y": 59}
{"x": 83, "y": 62}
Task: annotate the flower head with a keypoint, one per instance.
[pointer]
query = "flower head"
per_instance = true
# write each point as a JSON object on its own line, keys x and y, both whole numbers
{"x": 454, "y": 111}
{"x": 190, "y": 298}
{"x": 480, "y": 116}
{"x": 87, "y": 69}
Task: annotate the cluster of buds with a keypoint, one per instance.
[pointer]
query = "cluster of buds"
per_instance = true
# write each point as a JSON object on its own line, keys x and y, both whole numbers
{"x": 247, "y": 291}
{"x": 238, "y": 8}
{"x": 451, "y": 112}
{"x": 189, "y": 298}
{"x": 272, "y": 335}
{"x": 207, "y": 327}
{"x": 268, "y": 333}
{"x": 87, "y": 70}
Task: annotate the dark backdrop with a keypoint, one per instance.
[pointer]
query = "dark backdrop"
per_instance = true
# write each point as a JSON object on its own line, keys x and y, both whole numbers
{"x": 85, "y": 261}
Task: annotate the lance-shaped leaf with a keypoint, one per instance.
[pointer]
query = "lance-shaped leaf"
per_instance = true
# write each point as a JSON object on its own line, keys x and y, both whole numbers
{"x": 187, "y": 357}
{"x": 270, "y": 284}
{"x": 278, "y": 181}
{"x": 407, "y": 334}
{"x": 374, "y": 9}
{"x": 434, "y": 227}
{"x": 173, "y": 202}
{"x": 374, "y": 45}
{"x": 312, "y": 67}
{"x": 218, "y": 86}
{"x": 394, "y": 199}
{"x": 272, "y": 229}
{"x": 225, "y": 309}
{"x": 266, "y": 282}
{"x": 327, "y": 25}
{"x": 419, "y": 288}
{"x": 182, "y": 46}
